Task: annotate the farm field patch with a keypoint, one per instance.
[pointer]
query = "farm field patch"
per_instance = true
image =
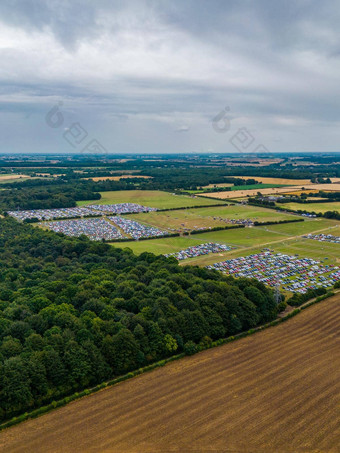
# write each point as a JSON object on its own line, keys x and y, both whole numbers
{"x": 313, "y": 207}
{"x": 275, "y": 190}
{"x": 285, "y": 181}
{"x": 5, "y": 178}
{"x": 152, "y": 198}
{"x": 213, "y": 401}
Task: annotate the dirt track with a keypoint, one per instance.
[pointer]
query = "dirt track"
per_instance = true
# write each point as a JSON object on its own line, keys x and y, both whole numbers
{"x": 276, "y": 391}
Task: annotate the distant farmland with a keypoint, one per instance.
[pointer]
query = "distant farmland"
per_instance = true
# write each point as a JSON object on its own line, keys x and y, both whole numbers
{"x": 276, "y": 391}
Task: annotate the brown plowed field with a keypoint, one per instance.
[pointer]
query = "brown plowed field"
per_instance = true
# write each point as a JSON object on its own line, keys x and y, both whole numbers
{"x": 276, "y": 391}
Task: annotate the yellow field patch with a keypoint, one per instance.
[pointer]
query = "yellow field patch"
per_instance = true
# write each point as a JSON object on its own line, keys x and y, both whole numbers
{"x": 273, "y": 191}
{"x": 4, "y": 178}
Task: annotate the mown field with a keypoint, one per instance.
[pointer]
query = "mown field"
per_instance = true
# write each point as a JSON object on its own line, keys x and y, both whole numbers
{"x": 275, "y": 391}
{"x": 151, "y": 198}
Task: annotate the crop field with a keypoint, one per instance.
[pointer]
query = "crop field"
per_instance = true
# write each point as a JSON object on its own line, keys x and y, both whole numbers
{"x": 288, "y": 182}
{"x": 313, "y": 207}
{"x": 151, "y": 198}
{"x": 5, "y": 178}
{"x": 275, "y": 190}
{"x": 275, "y": 391}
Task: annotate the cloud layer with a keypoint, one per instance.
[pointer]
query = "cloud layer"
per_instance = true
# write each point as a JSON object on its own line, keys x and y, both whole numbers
{"x": 134, "y": 74}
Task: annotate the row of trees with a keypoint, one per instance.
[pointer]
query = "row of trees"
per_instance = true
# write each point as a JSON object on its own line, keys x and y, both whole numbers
{"x": 74, "y": 313}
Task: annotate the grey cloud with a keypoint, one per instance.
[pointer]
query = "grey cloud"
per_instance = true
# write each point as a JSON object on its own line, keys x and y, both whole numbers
{"x": 149, "y": 66}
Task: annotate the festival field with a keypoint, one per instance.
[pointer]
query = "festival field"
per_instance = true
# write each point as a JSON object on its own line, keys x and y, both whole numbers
{"x": 286, "y": 238}
{"x": 161, "y": 246}
{"x": 239, "y": 237}
{"x": 275, "y": 391}
{"x": 151, "y": 198}
{"x": 194, "y": 219}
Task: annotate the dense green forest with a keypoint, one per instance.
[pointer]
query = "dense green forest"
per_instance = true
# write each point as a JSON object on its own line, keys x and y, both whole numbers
{"x": 74, "y": 313}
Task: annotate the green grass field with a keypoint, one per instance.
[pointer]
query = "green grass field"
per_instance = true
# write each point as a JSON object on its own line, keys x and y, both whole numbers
{"x": 244, "y": 212}
{"x": 313, "y": 207}
{"x": 151, "y": 198}
{"x": 258, "y": 186}
{"x": 300, "y": 228}
{"x": 160, "y": 246}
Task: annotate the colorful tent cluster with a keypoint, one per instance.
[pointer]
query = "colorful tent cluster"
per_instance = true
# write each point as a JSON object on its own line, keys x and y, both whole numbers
{"x": 245, "y": 222}
{"x": 100, "y": 209}
{"x": 50, "y": 214}
{"x": 137, "y": 230}
{"x": 96, "y": 228}
{"x": 290, "y": 272}
{"x": 323, "y": 238}
{"x": 197, "y": 250}
{"x": 121, "y": 208}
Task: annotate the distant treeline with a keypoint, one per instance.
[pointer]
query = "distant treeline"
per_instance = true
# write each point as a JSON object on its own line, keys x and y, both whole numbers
{"x": 278, "y": 222}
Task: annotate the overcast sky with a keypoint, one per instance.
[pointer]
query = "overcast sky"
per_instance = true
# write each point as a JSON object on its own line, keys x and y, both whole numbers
{"x": 150, "y": 76}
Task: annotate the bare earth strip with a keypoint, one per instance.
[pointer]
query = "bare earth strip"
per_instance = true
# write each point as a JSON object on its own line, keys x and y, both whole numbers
{"x": 275, "y": 391}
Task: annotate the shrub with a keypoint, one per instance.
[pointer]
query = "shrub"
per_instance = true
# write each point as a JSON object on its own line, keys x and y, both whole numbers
{"x": 190, "y": 348}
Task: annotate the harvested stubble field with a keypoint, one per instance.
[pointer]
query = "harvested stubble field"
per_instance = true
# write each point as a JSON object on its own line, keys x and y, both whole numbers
{"x": 275, "y": 190}
{"x": 290, "y": 182}
{"x": 4, "y": 178}
{"x": 313, "y": 207}
{"x": 276, "y": 391}
{"x": 267, "y": 180}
